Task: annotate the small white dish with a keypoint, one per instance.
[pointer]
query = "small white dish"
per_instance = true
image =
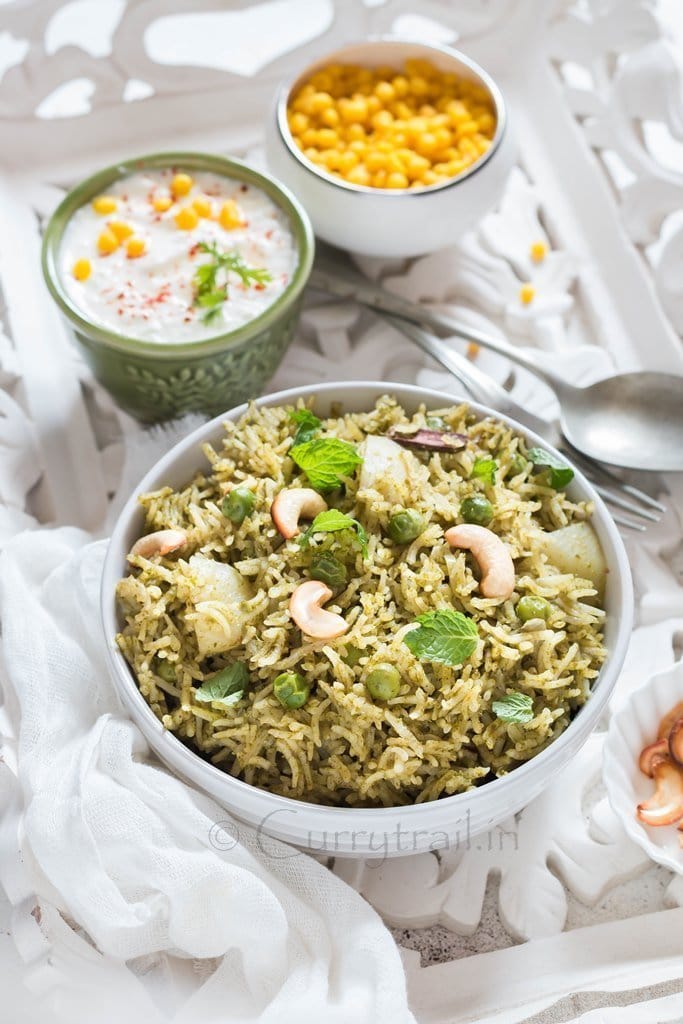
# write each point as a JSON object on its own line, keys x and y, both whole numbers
{"x": 392, "y": 222}
{"x": 632, "y": 727}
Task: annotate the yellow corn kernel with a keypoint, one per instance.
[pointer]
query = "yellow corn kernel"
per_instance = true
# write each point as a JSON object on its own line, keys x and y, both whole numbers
{"x": 121, "y": 229}
{"x": 418, "y": 85}
{"x": 527, "y": 293}
{"x": 202, "y": 205}
{"x": 320, "y": 101}
{"x": 309, "y": 137}
{"x": 330, "y": 117}
{"x": 379, "y": 179}
{"x": 426, "y": 143}
{"x": 81, "y": 270}
{"x": 401, "y": 111}
{"x": 327, "y": 138}
{"x": 355, "y": 132}
{"x": 456, "y": 167}
{"x": 331, "y": 158}
{"x": 230, "y": 216}
{"x": 385, "y": 91}
{"x": 181, "y": 184}
{"x": 107, "y": 242}
{"x": 186, "y": 218}
{"x": 353, "y": 110}
{"x": 395, "y": 164}
{"x": 373, "y": 104}
{"x": 359, "y": 175}
{"x": 375, "y": 161}
{"x": 538, "y": 251}
{"x": 298, "y": 123}
{"x": 162, "y": 203}
{"x": 442, "y": 137}
{"x": 347, "y": 161}
{"x": 104, "y": 205}
{"x": 399, "y": 84}
{"x": 135, "y": 247}
{"x": 382, "y": 119}
{"x": 396, "y": 180}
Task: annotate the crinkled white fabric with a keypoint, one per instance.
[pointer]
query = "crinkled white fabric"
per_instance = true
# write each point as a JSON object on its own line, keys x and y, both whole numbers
{"x": 124, "y": 849}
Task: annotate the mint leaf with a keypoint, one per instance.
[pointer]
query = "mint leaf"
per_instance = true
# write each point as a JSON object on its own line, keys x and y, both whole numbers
{"x": 514, "y": 707}
{"x": 307, "y": 423}
{"x": 444, "y": 636}
{"x": 484, "y": 469}
{"x": 560, "y": 473}
{"x": 332, "y": 521}
{"x": 225, "y": 687}
{"x": 325, "y": 460}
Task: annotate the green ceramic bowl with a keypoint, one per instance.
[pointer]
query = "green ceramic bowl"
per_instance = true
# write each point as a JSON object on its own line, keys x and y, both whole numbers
{"x": 154, "y": 381}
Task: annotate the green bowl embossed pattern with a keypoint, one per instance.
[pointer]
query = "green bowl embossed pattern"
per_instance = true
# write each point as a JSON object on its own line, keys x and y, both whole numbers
{"x": 155, "y": 381}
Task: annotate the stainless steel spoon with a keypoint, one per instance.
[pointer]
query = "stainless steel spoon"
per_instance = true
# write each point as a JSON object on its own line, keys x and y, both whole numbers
{"x": 485, "y": 390}
{"x": 631, "y": 420}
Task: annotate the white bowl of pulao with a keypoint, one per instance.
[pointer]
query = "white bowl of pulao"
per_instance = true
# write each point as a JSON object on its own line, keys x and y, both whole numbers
{"x": 369, "y": 619}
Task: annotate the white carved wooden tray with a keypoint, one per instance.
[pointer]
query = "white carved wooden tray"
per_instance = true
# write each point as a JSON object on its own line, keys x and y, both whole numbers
{"x": 597, "y": 103}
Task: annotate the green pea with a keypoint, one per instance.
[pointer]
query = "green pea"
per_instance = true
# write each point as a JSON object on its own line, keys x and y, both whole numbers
{"x": 517, "y": 464}
{"x": 383, "y": 682}
{"x": 238, "y": 504}
{"x": 477, "y": 509}
{"x": 353, "y": 655}
{"x": 405, "y": 526}
{"x": 435, "y": 423}
{"x": 529, "y": 607}
{"x": 329, "y": 570}
{"x": 291, "y": 690}
{"x": 165, "y": 669}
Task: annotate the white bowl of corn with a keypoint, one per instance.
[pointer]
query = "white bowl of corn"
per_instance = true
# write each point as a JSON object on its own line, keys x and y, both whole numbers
{"x": 394, "y": 147}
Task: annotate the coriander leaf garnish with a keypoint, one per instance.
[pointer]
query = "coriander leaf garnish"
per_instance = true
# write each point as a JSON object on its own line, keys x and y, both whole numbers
{"x": 325, "y": 460}
{"x": 307, "y": 423}
{"x": 560, "y": 473}
{"x": 444, "y": 636}
{"x": 514, "y": 707}
{"x": 210, "y": 292}
{"x": 225, "y": 687}
{"x": 332, "y": 521}
{"x": 484, "y": 469}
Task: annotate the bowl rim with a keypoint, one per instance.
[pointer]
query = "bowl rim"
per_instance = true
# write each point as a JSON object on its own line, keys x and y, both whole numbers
{"x": 85, "y": 190}
{"x": 615, "y": 773}
{"x": 285, "y": 89}
{"x": 203, "y": 773}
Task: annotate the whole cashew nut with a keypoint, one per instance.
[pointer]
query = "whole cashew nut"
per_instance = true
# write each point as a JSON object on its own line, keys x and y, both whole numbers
{"x": 666, "y": 805}
{"x": 159, "y": 543}
{"x": 305, "y": 608}
{"x": 293, "y": 504}
{"x": 493, "y": 557}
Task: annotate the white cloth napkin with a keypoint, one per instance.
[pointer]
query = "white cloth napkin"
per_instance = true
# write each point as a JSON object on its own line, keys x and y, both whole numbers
{"x": 131, "y": 855}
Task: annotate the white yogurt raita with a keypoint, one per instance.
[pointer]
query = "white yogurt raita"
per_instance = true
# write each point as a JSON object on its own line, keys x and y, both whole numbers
{"x": 129, "y": 259}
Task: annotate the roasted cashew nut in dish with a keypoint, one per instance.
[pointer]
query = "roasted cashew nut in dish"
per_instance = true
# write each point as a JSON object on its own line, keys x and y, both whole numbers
{"x": 159, "y": 543}
{"x": 306, "y": 609}
{"x": 293, "y": 504}
{"x": 665, "y": 806}
{"x": 492, "y": 555}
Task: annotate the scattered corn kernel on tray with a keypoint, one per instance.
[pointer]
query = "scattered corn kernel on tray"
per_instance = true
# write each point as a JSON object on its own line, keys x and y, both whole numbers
{"x": 577, "y": 260}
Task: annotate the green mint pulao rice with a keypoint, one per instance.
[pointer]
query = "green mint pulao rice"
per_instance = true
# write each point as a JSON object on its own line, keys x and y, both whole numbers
{"x": 434, "y": 667}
